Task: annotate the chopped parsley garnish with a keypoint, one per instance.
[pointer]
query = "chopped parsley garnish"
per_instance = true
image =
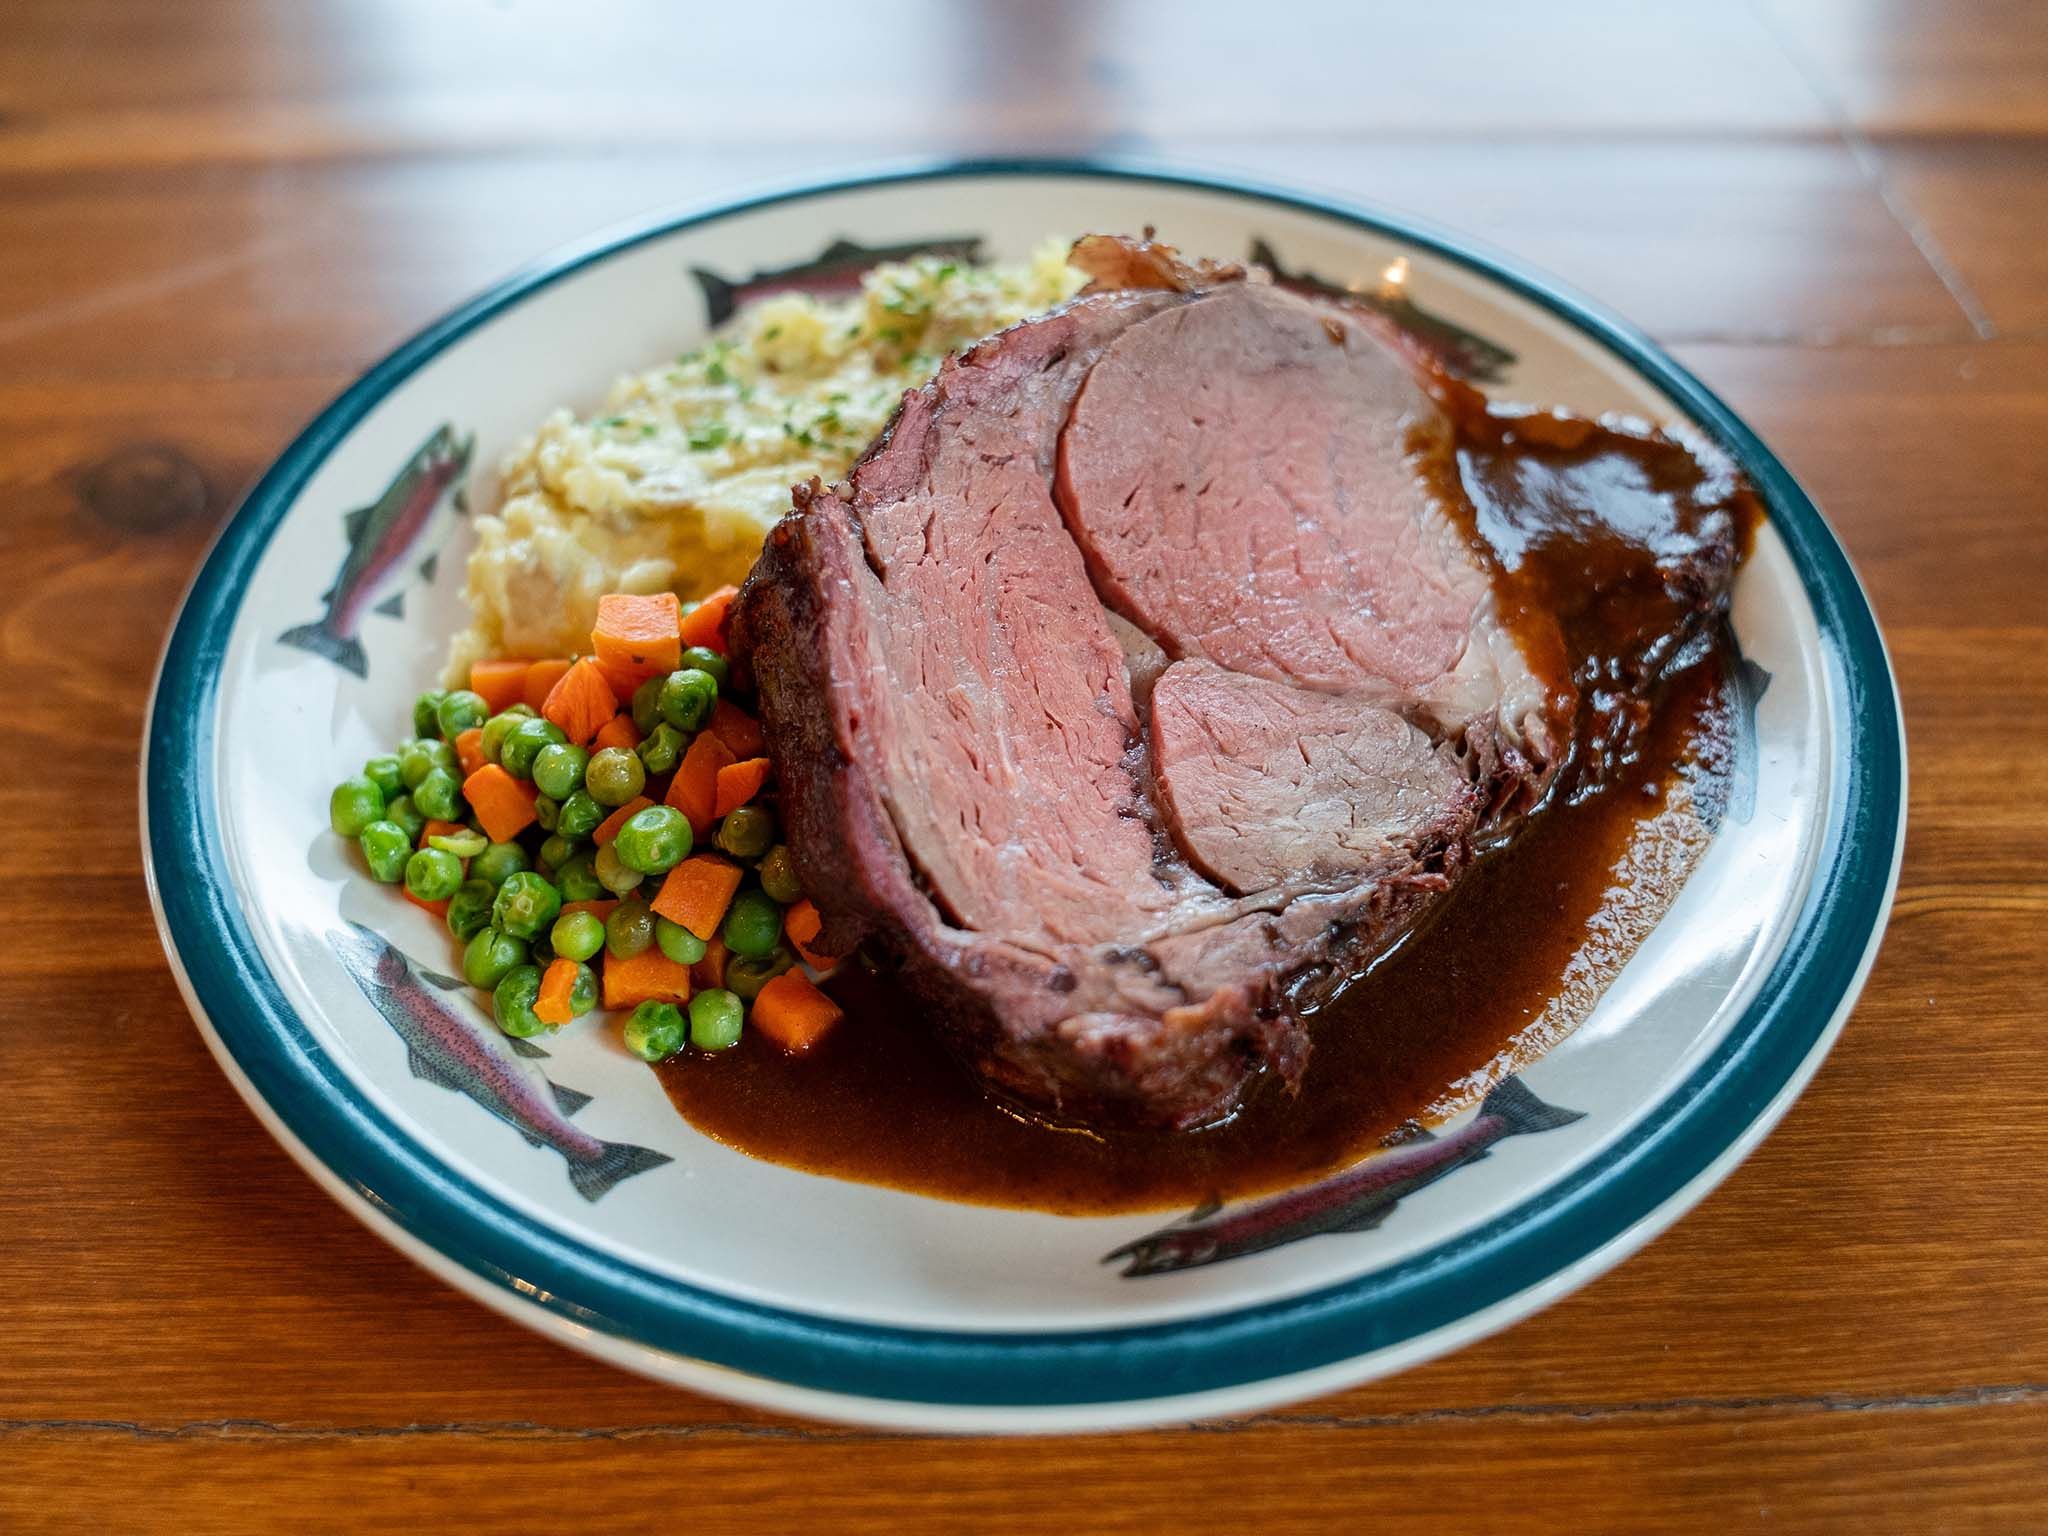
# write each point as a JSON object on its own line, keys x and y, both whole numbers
{"x": 771, "y": 333}
{"x": 714, "y": 372}
{"x": 713, "y": 436}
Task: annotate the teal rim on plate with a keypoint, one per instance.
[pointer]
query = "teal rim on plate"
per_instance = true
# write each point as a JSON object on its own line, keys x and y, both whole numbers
{"x": 1565, "y": 1225}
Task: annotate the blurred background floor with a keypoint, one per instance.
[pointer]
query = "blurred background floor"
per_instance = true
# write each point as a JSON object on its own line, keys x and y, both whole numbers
{"x": 212, "y": 215}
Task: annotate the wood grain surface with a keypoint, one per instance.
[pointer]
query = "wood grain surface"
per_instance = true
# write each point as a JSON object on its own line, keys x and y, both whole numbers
{"x": 213, "y": 214}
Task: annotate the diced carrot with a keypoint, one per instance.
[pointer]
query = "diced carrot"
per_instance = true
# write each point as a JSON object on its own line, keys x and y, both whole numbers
{"x": 637, "y": 638}
{"x": 802, "y": 923}
{"x": 541, "y": 677}
{"x": 694, "y": 789}
{"x": 649, "y": 976}
{"x": 740, "y": 731}
{"x": 502, "y": 803}
{"x": 439, "y": 829}
{"x": 501, "y": 683}
{"x": 438, "y": 908}
{"x": 737, "y": 783}
{"x": 469, "y": 749}
{"x": 609, "y": 827}
{"x": 697, "y": 892}
{"x": 705, "y": 624}
{"x": 581, "y": 702}
{"x": 792, "y": 1012}
{"x": 710, "y": 971}
{"x": 553, "y": 1003}
{"x": 619, "y": 731}
{"x": 600, "y": 909}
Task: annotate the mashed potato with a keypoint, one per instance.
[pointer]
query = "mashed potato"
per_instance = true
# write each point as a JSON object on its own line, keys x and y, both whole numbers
{"x": 674, "y": 483}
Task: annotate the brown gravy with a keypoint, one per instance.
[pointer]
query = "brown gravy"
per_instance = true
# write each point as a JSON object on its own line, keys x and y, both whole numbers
{"x": 1507, "y": 965}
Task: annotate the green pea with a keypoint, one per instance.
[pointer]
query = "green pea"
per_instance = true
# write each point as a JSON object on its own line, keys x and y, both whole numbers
{"x": 579, "y": 815}
{"x": 630, "y": 929}
{"x": 709, "y": 662}
{"x": 415, "y": 762}
{"x": 777, "y": 870}
{"x": 439, "y": 796}
{"x": 753, "y": 925}
{"x": 512, "y": 1002}
{"x": 466, "y": 844}
{"x": 678, "y": 943}
{"x": 523, "y": 743}
{"x": 654, "y": 840}
{"x": 654, "y": 1032}
{"x": 583, "y": 991}
{"x": 558, "y": 768}
{"x": 546, "y": 812}
{"x": 461, "y": 710}
{"x": 426, "y": 713}
{"x": 577, "y": 935}
{"x": 576, "y": 878}
{"x": 686, "y": 698}
{"x": 746, "y": 832}
{"x": 490, "y": 956}
{"x": 385, "y": 849}
{"x": 556, "y": 852}
{"x": 355, "y": 803}
{"x": 646, "y": 705}
{"x": 382, "y": 771}
{"x": 469, "y": 909}
{"x": 497, "y": 862}
{"x": 661, "y": 748}
{"x": 613, "y": 875}
{"x": 614, "y": 776}
{"x": 526, "y": 905}
{"x": 492, "y": 741}
{"x": 746, "y": 975}
{"x": 407, "y": 815}
{"x": 715, "y": 1019}
{"x": 432, "y": 875}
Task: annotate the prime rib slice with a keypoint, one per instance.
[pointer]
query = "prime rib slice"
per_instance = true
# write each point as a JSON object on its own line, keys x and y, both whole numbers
{"x": 1146, "y": 678}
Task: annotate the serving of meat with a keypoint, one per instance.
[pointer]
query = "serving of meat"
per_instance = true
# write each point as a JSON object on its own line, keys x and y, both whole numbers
{"x": 1171, "y": 654}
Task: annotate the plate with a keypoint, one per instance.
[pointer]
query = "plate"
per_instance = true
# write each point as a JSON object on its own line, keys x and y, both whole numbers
{"x": 565, "y": 1191}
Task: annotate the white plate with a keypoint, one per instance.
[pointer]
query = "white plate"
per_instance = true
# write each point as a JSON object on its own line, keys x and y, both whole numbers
{"x": 848, "y": 1301}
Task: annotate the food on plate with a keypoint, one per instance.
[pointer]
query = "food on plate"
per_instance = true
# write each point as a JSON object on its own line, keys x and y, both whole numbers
{"x": 1174, "y": 653}
{"x": 562, "y": 859}
{"x": 1150, "y": 670}
{"x": 671, "y": 484}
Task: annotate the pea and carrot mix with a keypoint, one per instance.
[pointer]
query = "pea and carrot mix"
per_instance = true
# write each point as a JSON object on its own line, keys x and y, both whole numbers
{"x": 599, "y": 831}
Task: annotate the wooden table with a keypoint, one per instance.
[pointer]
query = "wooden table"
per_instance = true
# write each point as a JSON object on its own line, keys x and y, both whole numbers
{"x": 211, "y": 216}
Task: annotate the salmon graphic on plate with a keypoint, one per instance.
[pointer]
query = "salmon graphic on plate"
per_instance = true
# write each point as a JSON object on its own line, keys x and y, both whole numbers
{"x": 415, "y": 513}
{"x": 446, "y": 1045}
{"x": 1356, "y": 1200}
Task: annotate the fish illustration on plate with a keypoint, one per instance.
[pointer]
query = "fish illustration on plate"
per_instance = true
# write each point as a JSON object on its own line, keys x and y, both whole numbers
{"x": 1466, "y": 353}
{"x": 447, "y": 1045}
{"x": 837, "y": 269}
{"x": 414, "y": 514}
{"x": 1356, "y": 1200}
